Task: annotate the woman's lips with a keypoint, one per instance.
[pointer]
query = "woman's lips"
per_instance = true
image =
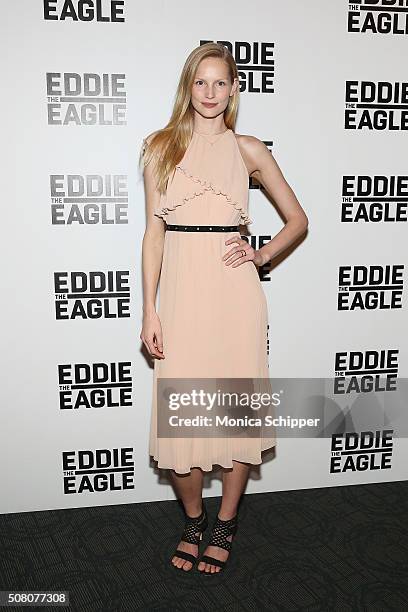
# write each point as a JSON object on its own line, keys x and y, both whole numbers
{"x": 209, "y": 104}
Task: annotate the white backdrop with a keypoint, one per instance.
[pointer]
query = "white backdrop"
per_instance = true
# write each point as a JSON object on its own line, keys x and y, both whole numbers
{"x": 314, "y": 134}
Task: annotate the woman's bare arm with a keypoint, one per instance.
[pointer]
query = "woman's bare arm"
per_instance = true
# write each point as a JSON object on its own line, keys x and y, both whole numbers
{"x": 152, "y": 255}
{"x": 263, "y": 167}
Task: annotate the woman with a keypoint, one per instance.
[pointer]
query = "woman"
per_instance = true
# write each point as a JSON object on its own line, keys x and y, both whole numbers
{"x": 212, "y": 315}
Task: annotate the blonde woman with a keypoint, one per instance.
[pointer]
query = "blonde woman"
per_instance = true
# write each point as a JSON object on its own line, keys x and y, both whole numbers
{"x": 212, "y": 316}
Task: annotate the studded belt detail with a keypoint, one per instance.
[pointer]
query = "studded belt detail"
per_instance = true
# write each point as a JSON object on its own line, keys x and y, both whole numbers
{"x": 202, "y": 228}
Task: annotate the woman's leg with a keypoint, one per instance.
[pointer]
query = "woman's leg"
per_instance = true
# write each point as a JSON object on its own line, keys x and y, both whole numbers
{"x": 233, "y": 484}
{"x": 189, "y": 488}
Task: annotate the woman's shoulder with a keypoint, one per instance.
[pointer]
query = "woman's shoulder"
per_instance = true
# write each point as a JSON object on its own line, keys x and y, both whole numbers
{"x": 249, "y": 143}
{"x": 147, "y": 139}
{"x": 251, "y": 148}
{"x": 146, "y": 143}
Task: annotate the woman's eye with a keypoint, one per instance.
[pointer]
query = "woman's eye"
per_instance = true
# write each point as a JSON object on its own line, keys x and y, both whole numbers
{"x": 201, "y": 82}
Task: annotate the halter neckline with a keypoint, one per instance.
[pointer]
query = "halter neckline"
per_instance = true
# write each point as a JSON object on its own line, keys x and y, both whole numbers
{"x": 216, "y": 134}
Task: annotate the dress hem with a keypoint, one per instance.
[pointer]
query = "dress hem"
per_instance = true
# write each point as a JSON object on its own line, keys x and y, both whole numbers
{"x": 207, "y": 468}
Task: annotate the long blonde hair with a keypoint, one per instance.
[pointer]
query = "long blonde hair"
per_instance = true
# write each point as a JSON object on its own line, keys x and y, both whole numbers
{"x": 169, "y": 144}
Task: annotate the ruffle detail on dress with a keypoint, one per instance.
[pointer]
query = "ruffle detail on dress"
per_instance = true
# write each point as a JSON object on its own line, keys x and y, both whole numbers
{"x": 203, "y": 187}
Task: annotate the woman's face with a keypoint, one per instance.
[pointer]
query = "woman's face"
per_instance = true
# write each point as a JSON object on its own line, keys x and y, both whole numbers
{"x": 212, "y": 87}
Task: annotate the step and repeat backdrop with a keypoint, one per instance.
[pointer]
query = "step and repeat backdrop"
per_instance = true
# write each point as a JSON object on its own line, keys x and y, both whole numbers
{"x": 324, "y": 85}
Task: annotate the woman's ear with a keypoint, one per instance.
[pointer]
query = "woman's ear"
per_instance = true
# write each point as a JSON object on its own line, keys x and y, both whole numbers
{"x": 235, "y": 86}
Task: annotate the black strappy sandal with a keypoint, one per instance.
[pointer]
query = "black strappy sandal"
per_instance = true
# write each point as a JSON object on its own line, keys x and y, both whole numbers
{"x": 221, "y": 531}
{"x": 192, "y": 534}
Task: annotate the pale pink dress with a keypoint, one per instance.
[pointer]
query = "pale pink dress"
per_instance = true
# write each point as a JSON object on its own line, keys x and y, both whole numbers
{"x": 214, "y": 317}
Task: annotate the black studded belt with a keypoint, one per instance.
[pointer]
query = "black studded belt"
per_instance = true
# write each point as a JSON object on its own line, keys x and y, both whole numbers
{"x": 203, "y": 228}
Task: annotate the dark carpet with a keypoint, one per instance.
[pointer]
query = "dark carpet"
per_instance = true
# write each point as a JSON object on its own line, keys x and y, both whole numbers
{"x": 340, "y": 549}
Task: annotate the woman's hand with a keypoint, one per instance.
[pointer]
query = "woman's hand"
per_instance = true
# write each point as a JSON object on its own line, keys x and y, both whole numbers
{"x": 151, "y": 334}
{"x": 241, "y": 253}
